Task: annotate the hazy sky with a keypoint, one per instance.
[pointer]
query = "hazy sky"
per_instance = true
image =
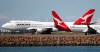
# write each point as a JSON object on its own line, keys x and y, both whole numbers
{"x": 68, "y": 10}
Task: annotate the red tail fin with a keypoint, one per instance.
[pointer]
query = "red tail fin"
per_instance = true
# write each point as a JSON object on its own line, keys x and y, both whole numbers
{"x": 56, "y": 18}
{"x": 59, "y": 24}
{"x": 86, "y": 18}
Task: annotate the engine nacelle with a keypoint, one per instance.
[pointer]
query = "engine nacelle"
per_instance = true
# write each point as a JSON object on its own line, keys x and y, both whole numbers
{"x": 44, "y": 31}
{"x": 39, "y": 30}
{"x": 54, "y": 29}
{"x": 98, "y": 31}
{"x": 29, "y": 28}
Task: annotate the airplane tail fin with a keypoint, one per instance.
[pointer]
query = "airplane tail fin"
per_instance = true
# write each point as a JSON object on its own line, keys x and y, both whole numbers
{"x": 59, "y": 24}
{"x": 86, "y": 18}
{"x": 56, "y": 18}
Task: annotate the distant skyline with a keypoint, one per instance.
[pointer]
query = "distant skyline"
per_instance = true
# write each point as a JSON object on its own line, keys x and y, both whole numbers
{"x": 40, "y": 10}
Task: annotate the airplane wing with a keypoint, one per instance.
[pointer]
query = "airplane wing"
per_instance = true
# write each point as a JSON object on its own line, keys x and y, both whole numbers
{"x": 93, "y": 23}
{"x": 40, "y": 30}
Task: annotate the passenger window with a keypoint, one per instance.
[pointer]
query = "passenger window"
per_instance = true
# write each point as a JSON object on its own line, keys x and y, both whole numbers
{"x": 22, "y": 24}
{"x": 17, "y": 24}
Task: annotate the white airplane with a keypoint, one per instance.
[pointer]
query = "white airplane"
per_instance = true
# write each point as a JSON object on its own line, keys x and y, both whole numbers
{"x": 34, "y": 26}
{"x": 87, "y": 29}
{"x": 45, "y": 27}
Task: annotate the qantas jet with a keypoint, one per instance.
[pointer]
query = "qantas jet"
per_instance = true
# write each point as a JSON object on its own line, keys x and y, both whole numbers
{"x": 87, "y": 29}
{"x": 45, "y": 27}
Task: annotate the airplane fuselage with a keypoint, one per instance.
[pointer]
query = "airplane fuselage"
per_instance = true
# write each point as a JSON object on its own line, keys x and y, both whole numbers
{"x": 28, "y": 25}
{"x": 24, "y": 25}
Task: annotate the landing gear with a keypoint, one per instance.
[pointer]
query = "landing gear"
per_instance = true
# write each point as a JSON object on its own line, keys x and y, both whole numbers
{"x": 33, "y": 31}
{"x": 87, "y": 33}
{"x": 91, "y": 31}
{"x": 47, "y": 31}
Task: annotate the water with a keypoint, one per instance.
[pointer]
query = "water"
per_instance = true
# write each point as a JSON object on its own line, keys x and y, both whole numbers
{"x": 52, "y": 49}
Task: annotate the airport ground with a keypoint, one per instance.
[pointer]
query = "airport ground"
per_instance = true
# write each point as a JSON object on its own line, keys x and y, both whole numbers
{"x": 52, "y": 33}
{"x": 54, "y": 39}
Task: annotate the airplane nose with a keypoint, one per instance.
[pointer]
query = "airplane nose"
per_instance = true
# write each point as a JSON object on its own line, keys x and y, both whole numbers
{"x": 4, "y": 26}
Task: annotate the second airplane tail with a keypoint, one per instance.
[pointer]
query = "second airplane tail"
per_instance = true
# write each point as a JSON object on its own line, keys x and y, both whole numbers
{"x": 85, "y": 18}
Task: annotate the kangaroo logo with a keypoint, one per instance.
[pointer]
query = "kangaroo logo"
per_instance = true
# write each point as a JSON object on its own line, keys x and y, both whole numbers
{"x": 59, "y": 22}
{"x": 85, "y": 17}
